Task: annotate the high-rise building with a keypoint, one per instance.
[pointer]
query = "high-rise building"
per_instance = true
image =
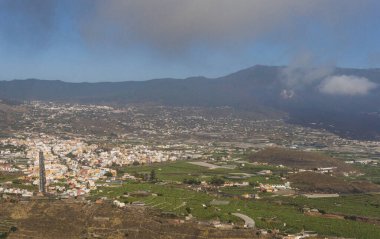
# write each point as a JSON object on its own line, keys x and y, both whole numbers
{"x": 42, "y": 185}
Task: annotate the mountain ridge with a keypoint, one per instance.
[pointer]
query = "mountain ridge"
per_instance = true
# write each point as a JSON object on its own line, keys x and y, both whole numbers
{"x": 258, "y": 88}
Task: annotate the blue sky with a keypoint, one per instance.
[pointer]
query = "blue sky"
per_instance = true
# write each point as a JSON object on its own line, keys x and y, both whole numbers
{"x": 115, "y": 40}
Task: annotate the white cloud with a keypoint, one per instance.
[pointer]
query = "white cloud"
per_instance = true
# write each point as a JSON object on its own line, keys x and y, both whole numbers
{"x": 346, "y": 85}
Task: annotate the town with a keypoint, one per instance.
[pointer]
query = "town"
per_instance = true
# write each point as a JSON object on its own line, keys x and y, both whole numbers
{"x": 225, "y": 163}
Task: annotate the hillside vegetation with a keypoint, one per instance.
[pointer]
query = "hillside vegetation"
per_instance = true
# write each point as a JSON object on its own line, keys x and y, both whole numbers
{"x": 40, "y": 219}
{"x": 322, "y": 183}
{"x": 299, "y": 159}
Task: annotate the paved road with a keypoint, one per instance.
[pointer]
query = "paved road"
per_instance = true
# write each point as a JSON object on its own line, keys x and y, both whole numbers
{"x": 212, "y": 166}
{"x": 207, "y": 165}
{"x": 249, "y": 222}
{"x": 322, "y": 195}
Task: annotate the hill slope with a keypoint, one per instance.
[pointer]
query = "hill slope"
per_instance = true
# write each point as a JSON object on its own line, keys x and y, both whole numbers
{"x": 58, "y": 219}
{"x": 299, "y": 159}
{"x": 321, "y": 183}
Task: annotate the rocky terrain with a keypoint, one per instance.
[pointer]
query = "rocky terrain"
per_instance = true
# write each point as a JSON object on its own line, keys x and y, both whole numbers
{"x": 64, "y": 219}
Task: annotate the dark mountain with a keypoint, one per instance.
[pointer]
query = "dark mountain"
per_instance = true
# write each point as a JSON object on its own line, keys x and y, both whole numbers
{"x": 259, "y": 88}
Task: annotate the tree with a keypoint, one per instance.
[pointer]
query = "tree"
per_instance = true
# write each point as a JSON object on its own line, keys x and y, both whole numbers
{"x": 70, "y": 155}
{"x": 191, "y": 181}
{"x": 16, "y": 181}
{"x": 153, "y": 175}
{"x": 108, "y": 174}
{"x": 254, "y": 184}
{"x": 216, "y": 181}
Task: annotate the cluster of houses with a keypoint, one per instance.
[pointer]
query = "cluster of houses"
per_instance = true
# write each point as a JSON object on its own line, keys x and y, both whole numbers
{"x": 72, "y": 166}
{"x": 119, "y": 204}
{"x": 274, "y": 187}
{"x": 363, "y": 161}
{"x": 16, "y": 191}
{"x": 7, "y": 167}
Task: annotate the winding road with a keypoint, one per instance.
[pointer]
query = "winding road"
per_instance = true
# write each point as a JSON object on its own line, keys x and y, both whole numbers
{"x": 249, "y": 222}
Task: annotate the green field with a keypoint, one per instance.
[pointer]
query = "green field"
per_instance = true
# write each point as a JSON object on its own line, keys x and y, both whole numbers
{"x": 371, "y": 173}
{"x": 180, "y": 170}
{"x": 8, "y": 177}
{"x": 269, "y": 212}
{"x": 367, "y": 205}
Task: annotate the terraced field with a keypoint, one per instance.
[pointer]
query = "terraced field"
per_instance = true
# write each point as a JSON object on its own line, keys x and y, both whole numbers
{"x": 269, "y": 212}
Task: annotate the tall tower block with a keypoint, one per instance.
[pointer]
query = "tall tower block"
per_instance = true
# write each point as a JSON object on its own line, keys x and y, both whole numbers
{"x": 42, "y": 185}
